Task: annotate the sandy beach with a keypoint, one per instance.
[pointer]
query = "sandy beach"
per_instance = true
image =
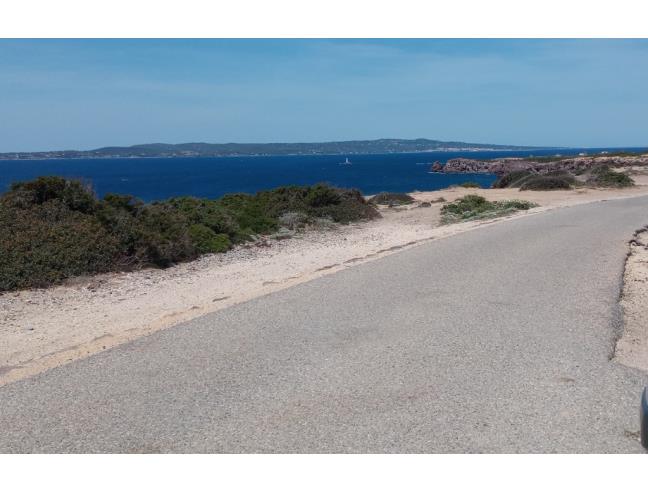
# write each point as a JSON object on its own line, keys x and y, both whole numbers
{"x": 44, "y": 328}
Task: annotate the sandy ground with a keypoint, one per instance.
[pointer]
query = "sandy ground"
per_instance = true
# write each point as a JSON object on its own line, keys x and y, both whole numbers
{"x": 632, "y": 347}
{"x": 44, "y": 328}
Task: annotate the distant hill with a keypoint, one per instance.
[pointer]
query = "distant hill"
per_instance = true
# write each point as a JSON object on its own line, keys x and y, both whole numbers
{"x": 381, "y": 146}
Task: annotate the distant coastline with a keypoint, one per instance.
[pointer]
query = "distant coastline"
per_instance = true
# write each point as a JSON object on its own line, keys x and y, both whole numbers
{"x": 153, "y": 178}
{"x": 352, "y": 147}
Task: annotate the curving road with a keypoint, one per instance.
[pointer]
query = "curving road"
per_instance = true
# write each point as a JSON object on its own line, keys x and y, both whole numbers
{"x": 496, "y": 340}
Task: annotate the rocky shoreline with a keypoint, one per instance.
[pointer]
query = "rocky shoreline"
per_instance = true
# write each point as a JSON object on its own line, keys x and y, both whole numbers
{"x": 506, "y": 165}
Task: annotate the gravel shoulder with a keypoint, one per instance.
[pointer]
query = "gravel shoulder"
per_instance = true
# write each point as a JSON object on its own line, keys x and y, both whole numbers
{"x": 632, "y": 346}
{"x": 45, "y": 328}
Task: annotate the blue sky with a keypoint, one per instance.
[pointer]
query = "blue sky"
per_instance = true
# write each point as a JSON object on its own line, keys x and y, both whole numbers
{"x": 83, "y": 94}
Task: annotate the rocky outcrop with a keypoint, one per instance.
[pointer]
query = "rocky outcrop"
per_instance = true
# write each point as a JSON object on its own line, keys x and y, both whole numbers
{"x": 437, "y": 167}
{"x": 507, "y": 165}
{"x": 462, "y": 165}
{"x": 585, "y": 163}
{"x": 498, "y": 166}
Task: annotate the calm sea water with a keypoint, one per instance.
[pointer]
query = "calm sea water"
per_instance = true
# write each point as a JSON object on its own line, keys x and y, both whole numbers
{"x": 156, "y": 179}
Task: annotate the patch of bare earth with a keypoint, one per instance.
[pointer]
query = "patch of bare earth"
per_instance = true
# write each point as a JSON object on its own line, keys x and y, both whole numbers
{"x": 632, "y": 347}
{"x": 44, "y": 328}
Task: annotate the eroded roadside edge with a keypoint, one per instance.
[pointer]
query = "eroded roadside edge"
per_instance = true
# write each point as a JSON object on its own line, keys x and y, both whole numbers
{"x": 631, "y": 347}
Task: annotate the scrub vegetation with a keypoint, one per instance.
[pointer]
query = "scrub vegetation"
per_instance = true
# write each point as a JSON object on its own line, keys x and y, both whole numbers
{"x": 601, "y": 176}
{"x": 474, "y": 207}
{"x": 391, "y": 199}
{"x": 54, "y": 228}
{"x": 546, "y": 182}
{"x": 605, "y": 177}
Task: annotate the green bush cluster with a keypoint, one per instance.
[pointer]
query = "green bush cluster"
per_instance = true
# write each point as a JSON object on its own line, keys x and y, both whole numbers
{"x": 470, "y": 184}
{"x": 605, "y": 177}
{"x": 391, "y": 199}
{"x": 564, "y": 175}
{"x": 547, "y": 182}
{"x": 600, "y": 175}
{"x": 472, "y": 207}
{"x": 512, "y": 179}
{"x": 53, "y": 228}
{"x": 529, "y": 180}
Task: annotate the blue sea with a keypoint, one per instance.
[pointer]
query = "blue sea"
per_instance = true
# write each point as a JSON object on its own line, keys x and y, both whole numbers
{"x": 159, "y": 178}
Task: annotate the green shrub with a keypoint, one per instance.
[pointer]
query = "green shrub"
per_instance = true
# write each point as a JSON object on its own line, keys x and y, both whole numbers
{"x": 126, "y": 203}
{"x": 161, "y": 236}
{"x": 468, "y": 203}
{"x": 206, "y": 212}
{"x": 205, "y": 240}
{"x": 46, "y": 244}
{"x": 53, "y": 228}
{"x": 250, "y": 213}
{"x": 473, "y": 207}
{"x": 519, "y": 183}
{"x": 289, "y": 199}
{"x": 322, "y": 196}
{"x": 546, "y": 183}
{"x": 516, "y": 204}
{"x": 352, "y": 207}
{"x": 321, "y": 200}
{"x": 605, "y": 177}
{"x": 564, "y": 175}
{"x": 470, "y": 184}
{"x": 392, "y": 199}
{"x": 508, "y": 180}
{"x": 72, "y": 193}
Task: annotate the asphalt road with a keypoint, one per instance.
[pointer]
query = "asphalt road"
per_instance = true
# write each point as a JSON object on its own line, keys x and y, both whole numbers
{"x": 496, "y": 340}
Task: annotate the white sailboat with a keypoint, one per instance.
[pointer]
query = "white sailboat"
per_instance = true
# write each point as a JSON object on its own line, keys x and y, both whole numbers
{"x": 346, "y": 162}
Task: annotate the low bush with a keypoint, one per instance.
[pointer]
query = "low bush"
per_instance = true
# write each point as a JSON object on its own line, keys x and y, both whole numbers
{"x": 472, "y": 207}
{"x": 546, "y": 183}
{"x": 322, "y": 196}
{"x": 467, "y": 203}
{"x": 566, "y": 175}
{"x": 43, "y": 245}
{"x": 72, "y": 194}
{"x": 250, "y": 215}
{"x": 206, "y": 240}
{"x": 392, "y": 199}
{"x": 208, "y": 213}
{"x": 470, "y": 184}
{"x": 161, "y": 236}
{"x": 511, "y": 179}
{"x": 53, "y": 228}
{"x": 605, "y": 177}
{"x": 352, "y": 207}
